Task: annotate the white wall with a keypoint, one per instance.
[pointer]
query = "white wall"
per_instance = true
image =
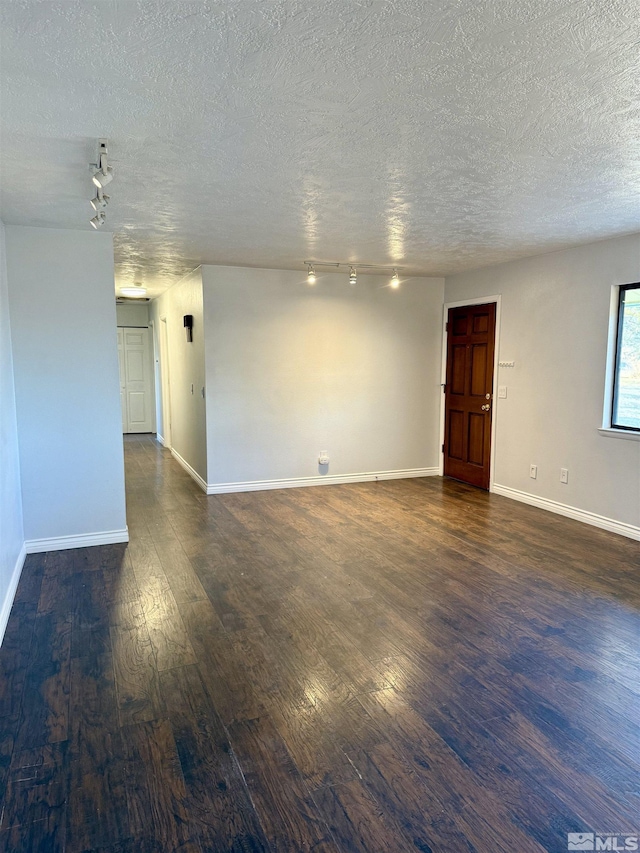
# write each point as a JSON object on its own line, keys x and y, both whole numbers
{"x": 186, "y": 370}
{"x": 555, "y": 316}
{"x": 293, "y": 370}
{"x": 63, "y": 324}
{"x": 11, "y": 528}
{"x": 132, "y": 314}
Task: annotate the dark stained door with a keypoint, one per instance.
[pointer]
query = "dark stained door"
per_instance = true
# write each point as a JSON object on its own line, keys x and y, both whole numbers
{"x": 468, "y": 393}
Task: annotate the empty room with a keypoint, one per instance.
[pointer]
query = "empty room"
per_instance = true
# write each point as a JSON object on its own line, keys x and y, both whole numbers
{"x": 319, "y": 426}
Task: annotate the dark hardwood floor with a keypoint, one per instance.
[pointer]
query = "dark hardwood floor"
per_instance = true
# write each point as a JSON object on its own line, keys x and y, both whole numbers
{"x": 410, "y": 665}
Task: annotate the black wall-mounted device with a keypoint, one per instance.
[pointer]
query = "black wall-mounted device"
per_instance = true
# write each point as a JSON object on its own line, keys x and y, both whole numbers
{"x": 188, "y": 324}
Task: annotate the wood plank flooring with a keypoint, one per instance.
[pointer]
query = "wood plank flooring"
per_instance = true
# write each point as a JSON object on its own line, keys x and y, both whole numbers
{"x": 410, "y": 665}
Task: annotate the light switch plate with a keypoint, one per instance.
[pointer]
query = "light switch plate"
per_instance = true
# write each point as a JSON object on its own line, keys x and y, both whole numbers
{"x": 502, "y": 392}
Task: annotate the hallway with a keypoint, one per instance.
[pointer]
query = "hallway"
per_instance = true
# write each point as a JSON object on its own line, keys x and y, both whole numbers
{"x": 409, "y": 665}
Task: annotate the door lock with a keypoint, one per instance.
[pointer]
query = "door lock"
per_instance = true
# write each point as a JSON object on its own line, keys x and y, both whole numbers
{"x": 487, "y": 396}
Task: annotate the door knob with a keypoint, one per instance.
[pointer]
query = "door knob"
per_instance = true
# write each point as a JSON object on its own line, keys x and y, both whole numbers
{"x": 486, "y": 408}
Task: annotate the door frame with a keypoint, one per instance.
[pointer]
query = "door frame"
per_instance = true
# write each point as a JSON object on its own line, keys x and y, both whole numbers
{"x": 157, "y": 383}
{"x": 476, "y": 300}
{"x": 166, "y": 382}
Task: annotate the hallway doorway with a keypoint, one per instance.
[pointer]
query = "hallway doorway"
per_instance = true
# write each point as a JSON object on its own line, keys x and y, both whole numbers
{"x": 136, "y": 380}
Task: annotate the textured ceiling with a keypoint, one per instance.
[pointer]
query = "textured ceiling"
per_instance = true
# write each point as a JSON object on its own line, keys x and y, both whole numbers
{"x": 439, "y": 136}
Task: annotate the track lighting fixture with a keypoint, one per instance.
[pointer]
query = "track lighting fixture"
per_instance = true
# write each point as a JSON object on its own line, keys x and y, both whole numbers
{"x": 102, "y": 176}
{"x": 100, "y": 201}
{"x": 353, "y": 271}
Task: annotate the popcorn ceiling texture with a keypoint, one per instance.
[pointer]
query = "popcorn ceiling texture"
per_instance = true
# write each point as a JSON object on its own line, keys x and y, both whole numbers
{"x": 438, "y": 136}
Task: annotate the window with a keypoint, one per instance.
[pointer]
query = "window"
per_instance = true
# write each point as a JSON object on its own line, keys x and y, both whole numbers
{"x": 625, "y": 412}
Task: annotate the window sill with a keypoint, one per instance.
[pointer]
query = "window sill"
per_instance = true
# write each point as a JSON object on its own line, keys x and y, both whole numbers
{"x": 619, "y": 433}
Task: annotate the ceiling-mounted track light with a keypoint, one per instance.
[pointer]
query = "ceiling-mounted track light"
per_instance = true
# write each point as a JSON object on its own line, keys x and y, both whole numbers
{"x": 102, "y": 176}
{"x": 353, "y": 270}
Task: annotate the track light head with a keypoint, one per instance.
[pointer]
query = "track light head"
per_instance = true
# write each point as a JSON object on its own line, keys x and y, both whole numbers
{"x": 395, "y": 280}
{"x": 100, "y": 201}
{"x": 98, "y": 220}
{"x": 104, "y": 173}
{"x": 353, "y": 276}
{"x": 103, "y": 177}
{"x": 311, "y": 275}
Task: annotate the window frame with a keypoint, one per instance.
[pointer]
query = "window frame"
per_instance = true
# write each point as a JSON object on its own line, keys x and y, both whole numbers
{"x": 622, "y": 289}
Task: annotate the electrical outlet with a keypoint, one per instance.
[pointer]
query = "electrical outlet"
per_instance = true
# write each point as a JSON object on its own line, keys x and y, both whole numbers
{"x": 323, "y": 458}
{"x": 564, "y": 475}
{"x": 533, "y": 472}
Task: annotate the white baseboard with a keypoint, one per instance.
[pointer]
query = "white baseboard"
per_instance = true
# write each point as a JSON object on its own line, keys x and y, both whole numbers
{"x": 11, "y": 591}
{"x": 583, "y": 515}
{"x": 161, "y": 439}
{"x": 318, "y": 480}
{"x": 191, "y": 471}
{"x": 82, "y": 540}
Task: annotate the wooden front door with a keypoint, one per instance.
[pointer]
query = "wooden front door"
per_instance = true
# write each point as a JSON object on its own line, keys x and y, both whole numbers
{"x": 469, "y": 393}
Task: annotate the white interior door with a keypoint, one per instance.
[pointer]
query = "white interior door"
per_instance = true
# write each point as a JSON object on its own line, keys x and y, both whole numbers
{"x": 137, "y": 388}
